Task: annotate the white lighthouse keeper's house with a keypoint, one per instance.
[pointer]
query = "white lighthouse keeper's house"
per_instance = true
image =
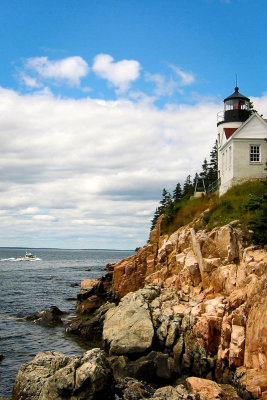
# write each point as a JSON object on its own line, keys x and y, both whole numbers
{"x": 242, "y": 143}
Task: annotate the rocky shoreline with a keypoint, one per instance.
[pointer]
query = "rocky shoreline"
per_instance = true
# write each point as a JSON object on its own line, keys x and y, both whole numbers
{"x": 183, "y": 318}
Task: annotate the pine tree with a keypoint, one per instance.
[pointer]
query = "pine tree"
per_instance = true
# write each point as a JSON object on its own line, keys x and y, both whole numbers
{"x": 166, "y": 199}
{"x": 165, "y": 206}
{"x": 251, "y": 109}
{"x": 203, "y": 177}
{"x": 177, "y": 193}
{"x": 188, "y": 188}
{"x": 155, "y": 218}
{"x": 203, "y": 174}
{"x": 213, "y": 164}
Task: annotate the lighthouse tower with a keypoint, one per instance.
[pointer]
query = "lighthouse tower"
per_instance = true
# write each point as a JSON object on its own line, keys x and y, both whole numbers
{"x": 241, "y": 142}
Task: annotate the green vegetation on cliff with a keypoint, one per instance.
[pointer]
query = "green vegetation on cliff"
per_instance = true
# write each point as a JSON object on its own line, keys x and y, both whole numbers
{"x": 246, "y": 203}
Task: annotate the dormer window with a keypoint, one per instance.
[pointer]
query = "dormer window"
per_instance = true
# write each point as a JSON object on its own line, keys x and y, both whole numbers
{"x": 254, "y": 153}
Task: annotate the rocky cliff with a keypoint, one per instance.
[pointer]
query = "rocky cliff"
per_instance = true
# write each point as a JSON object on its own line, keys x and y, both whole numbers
{"x": 184, "y": 318}
{"x": 206, "y": 306}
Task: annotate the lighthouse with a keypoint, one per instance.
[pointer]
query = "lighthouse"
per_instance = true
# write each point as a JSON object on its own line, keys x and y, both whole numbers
{"x": 242, "y": 147}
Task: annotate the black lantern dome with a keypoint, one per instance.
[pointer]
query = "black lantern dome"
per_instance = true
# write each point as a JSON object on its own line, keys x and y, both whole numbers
{"x": 236, "y": 107}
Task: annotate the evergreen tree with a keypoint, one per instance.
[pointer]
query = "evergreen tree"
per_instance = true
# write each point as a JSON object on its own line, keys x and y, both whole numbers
{"x": 251, "y": 108}
{"x": 203, "y": 174}
{"x": 169, "y": 212}
{"x": 203, "y": 177}
{"x": 155, "y": 218}
{"x": 166, "y": 199}
{"x": 165, "y": 205}
{"x": 188, "y": 188}
{"x": 177, "y": 193}
{"x": 212, "y": 174}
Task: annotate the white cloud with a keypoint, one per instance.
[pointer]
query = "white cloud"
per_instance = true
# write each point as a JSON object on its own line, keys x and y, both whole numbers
{"x": 30, "y": 81}
{"x": 29, "y": 211}
{"x": 89, "y": 173}
{"x": 120, "y": 74}
{"x": 187, "y": 78}
{"x": 43, "y": 217}
{"x": 164, "y": 87}
{"x": 70, "y": 69}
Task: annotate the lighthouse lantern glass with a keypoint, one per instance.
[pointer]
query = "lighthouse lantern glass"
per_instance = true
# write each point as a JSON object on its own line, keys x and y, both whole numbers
{"x": 236, "y": 104}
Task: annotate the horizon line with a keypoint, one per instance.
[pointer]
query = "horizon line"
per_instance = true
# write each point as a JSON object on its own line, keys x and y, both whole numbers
{"x": 60, "y": 248}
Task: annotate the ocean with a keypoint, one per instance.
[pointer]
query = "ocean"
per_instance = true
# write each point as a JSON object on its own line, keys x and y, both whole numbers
{"x": 29, "y": 286}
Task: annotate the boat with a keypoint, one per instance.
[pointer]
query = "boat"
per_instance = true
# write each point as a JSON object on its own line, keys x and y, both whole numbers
{"x": 29, "y": 256}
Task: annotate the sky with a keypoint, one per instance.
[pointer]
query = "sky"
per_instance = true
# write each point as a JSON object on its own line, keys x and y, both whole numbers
{"x": 103, "y": 103}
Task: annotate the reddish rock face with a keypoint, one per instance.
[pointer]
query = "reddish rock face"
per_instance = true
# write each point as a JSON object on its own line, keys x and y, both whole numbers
{"x": 129, "y": 274}
{"x": 89, "y": 305}
{"x": 223, "y": 284}
{"x": 209, "y": 390}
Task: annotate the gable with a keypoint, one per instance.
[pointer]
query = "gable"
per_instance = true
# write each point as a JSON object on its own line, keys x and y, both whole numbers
{"x": 255, "y": 127}
{"x": 229, "y": 131}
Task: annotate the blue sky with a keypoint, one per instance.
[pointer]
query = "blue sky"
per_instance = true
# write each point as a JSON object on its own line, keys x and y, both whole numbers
{"x": 104, "y": 103}
{"x": 212, "y": 39}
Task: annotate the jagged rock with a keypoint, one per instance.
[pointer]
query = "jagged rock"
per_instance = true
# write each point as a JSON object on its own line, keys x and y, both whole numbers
{"x": 109, "y": 267}
{"x": 32, "y": 375}
{"x": 220, "y": 295}
{"x": 155, "y": 233}
{"x": 196, "y": 389}
{"x": 90, "y": 326}
{"x": 89, "y": 305}
{"x": 208, "y": 390}
{"x": 251, "y": 383}
{"x": 94, "y": 293}
{"x": 172, "y": 393}
{"x": 88, "y": 284}
{"x": 129, "y": 274}
{"x": 74, "y": 284}
{"x": 51, "y": 317}
{"x": 56, "y": 376}
{"x": 149, "y": 368}
{"x": 131, "y": 389}
{"x": 128, "y": 328}
{"x": 141, "y": 369}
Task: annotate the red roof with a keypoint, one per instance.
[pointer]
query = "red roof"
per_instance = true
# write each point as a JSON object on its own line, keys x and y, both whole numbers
{"x": 229, "y": 131}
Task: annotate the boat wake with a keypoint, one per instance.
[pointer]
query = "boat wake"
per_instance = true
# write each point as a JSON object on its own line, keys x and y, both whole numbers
{"x": 20, "y": 259}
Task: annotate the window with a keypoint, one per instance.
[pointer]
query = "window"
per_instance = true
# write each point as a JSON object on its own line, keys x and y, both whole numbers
{"x": 254, "y": 154}
{"x": 230, "y": 156}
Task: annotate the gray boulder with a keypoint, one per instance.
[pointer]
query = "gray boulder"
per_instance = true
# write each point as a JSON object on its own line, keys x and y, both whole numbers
{"x": 51, "y": 317}
{"x": 131, "y": 389}
{"x": 172, "y": 393}
{"x": 128, "y": 327}
{"x": 56, "y": 376}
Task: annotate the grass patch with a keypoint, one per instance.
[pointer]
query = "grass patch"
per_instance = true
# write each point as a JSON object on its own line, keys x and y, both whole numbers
{"x": 186, "y": 211}
{"x": 246, "y": 202}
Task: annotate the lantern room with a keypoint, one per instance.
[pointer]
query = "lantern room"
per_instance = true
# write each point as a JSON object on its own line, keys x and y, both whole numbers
{"x": 236, "y": 107}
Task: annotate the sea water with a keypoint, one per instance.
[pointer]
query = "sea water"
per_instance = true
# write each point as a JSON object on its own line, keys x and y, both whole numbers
{"x": 29, "y": 286}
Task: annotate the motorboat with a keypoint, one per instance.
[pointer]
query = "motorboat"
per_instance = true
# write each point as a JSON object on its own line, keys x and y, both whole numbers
{"x": 29, "y": 256}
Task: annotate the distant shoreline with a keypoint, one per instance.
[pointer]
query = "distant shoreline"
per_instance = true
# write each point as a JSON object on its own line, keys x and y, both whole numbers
{"x": 59, "y": 248}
